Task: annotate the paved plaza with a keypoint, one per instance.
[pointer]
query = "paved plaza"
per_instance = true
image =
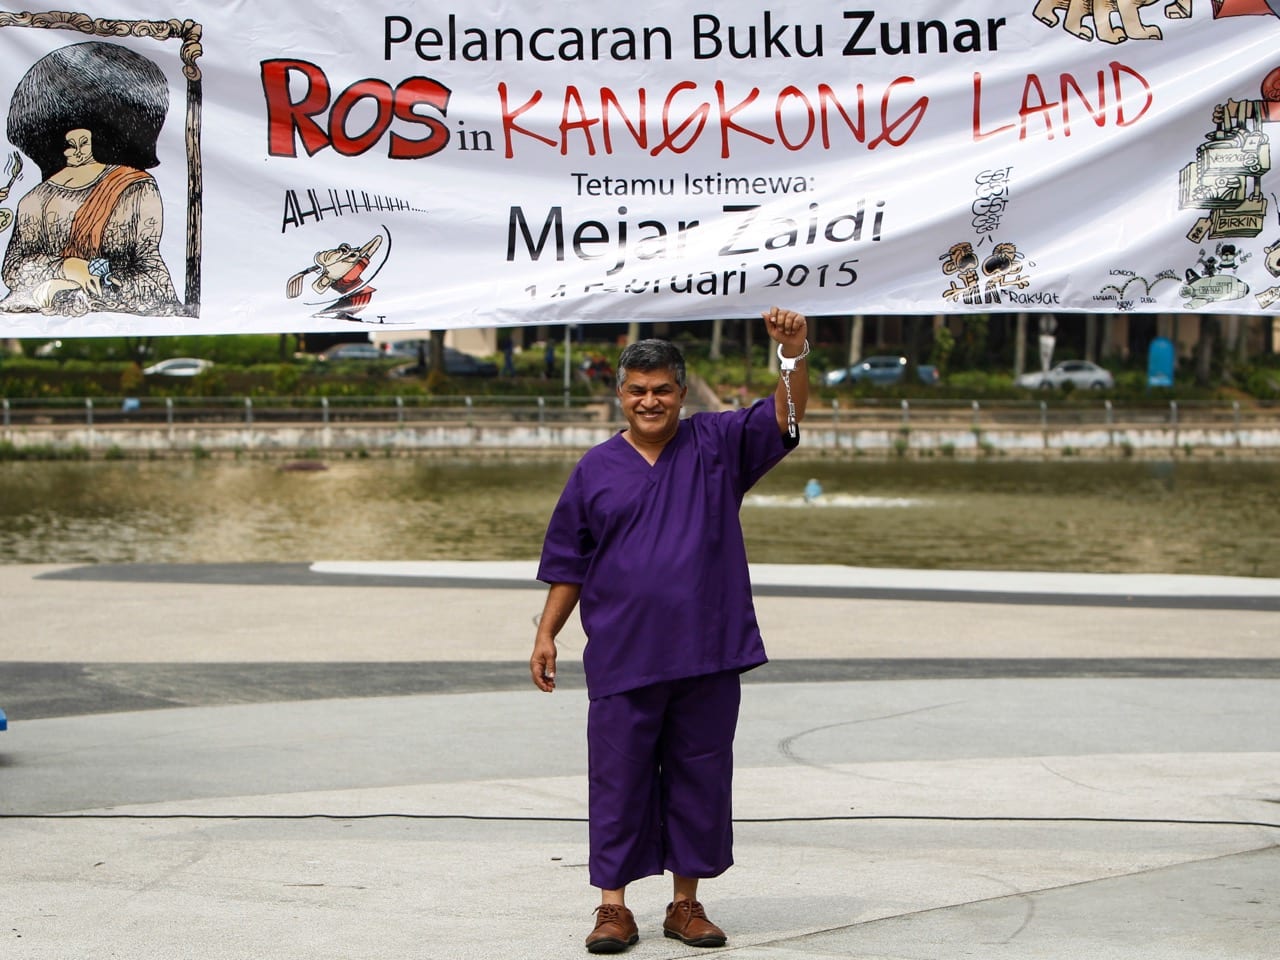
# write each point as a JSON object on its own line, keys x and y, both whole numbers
{"x": 348, "y": 761}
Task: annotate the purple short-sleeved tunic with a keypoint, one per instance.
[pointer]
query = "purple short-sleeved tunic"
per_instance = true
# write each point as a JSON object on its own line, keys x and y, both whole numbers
{"x": 659, "y": 553}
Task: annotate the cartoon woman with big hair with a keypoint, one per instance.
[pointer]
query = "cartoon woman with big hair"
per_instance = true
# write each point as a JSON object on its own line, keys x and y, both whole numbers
{"x": 87, "y": 238}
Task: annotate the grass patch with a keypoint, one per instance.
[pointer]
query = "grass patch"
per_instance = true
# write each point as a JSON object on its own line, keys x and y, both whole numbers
{"x": 10, "y": 451}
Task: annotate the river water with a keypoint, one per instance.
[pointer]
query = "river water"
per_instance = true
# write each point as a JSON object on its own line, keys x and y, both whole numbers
{"x": 1130, "y": 516}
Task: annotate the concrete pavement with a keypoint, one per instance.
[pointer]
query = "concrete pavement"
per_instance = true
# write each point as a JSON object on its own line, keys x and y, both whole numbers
{"x": 314, "y": 761}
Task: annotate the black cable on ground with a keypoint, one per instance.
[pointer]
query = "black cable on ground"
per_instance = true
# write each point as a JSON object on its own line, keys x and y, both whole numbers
{"x": 845, "y": 818}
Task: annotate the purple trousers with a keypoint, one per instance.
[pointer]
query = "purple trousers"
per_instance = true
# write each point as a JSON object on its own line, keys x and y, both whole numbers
{"x": 660, "y": 771}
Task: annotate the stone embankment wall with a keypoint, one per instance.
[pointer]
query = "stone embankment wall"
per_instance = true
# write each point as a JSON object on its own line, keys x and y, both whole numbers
{"x": 823, "y": 436}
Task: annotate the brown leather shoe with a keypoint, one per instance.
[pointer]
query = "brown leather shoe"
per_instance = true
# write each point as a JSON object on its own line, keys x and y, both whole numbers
{"x": 687, "y": 921}
{"x": 615, "y": 930}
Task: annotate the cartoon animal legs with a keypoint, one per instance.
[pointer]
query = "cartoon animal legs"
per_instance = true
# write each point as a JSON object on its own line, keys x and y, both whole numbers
{"x": 1131, "y": 25}
{"x": 1046, "y": 11}
{"x": 1131, "y": 19}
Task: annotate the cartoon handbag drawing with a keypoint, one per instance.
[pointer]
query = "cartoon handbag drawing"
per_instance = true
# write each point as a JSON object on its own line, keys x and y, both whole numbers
{"x": 1225, "y": 177}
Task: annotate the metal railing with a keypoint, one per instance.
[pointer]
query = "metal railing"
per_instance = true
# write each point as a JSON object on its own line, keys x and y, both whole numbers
{"x": 400, "y": 411}
{"x": 264, "y": 412}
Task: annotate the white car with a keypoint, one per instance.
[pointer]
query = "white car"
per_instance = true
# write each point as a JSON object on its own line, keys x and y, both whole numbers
{"x": 1078, "y": 373}
{"x": 178, "y": 367}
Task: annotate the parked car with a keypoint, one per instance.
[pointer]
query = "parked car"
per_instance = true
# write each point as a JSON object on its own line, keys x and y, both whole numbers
{"x": 882, "y": 370}
{"x": 456, "y": 364}
{"x": 1078, "y": 373}
{"x": 178, "y": 367}
{"x": 353, "y": 351}
{"x": 405, "y": 348}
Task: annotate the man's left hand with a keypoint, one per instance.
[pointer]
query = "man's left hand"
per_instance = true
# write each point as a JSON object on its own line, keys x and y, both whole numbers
{"x": 787, "y": 328}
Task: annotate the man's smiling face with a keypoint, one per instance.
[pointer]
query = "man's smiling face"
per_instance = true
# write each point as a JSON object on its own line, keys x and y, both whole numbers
{"x": 651, "y": 402}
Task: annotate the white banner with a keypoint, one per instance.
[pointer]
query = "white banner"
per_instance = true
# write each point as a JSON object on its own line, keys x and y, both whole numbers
{"x": 322, "y": 166}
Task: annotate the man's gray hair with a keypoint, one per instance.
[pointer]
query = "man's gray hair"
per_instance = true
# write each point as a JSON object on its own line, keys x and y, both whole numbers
{"x": 644, "y": 356}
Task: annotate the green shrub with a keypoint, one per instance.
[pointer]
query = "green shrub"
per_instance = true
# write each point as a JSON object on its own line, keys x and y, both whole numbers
{"x": 132, "y": 380}
{"x": 285, "y": 379}
{"x": 8, "y": 451}
{"x": 1261, "y": 382}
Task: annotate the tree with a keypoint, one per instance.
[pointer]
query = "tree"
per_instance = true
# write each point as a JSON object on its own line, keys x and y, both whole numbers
{"x": 137, "y": 348}
{"x": 1242, "y": 341}
{"x": 1020, "y": 346}
{"x": 1204, "y": 349}
{"x": 435, "y": 373}
{"x": 943, "y": 343}
{"x": 855, "y": 339}
{"x": 913, "y": 341}
{"x": 971, "y": 350}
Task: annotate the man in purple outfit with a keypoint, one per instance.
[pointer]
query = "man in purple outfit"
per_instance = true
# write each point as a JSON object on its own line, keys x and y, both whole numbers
{"x": 646, "y": 536}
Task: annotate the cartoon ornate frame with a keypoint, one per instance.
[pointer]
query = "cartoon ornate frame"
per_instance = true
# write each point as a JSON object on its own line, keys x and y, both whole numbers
{"x": 189, "y": 33}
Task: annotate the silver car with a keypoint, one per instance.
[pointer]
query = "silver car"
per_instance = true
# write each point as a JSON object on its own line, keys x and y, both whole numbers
{"x": 1078, "y": 373}
{"x": 178, "y": 367}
